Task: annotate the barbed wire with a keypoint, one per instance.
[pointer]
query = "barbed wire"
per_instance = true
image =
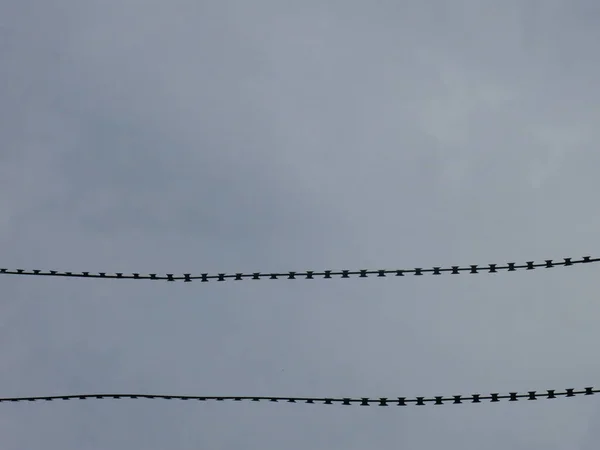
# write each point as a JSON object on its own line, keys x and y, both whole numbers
{"x": 363, "y": 401}
{"x": 309, "y": 274}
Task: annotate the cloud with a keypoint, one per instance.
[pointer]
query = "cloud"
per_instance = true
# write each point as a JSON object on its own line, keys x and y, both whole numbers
{"x": 229, "y": 136}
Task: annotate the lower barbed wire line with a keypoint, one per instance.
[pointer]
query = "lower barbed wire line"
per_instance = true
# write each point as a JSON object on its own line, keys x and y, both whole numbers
{"x": 309, "y": 274}
{"x": 362, "y": 401}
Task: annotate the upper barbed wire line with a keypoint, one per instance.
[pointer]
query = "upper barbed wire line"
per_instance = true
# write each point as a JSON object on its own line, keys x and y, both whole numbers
{"x": 360, "y": 401}
{"x": 309, "y": 274}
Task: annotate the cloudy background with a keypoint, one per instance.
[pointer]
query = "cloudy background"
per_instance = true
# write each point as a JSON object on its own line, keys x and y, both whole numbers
{"x": 190, "y": 136}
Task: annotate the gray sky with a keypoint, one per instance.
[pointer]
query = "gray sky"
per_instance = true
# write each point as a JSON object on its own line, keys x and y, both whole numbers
{"x": 187, "y": 136}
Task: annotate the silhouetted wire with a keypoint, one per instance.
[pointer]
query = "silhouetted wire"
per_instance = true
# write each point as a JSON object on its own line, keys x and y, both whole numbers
{"x": 309, "y": 274}
{"x": 363, "y": 401}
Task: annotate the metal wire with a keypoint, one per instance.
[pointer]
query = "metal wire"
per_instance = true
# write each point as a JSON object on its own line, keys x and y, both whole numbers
{"x": 309, "y": 274}
{"x": 346, "y": 401}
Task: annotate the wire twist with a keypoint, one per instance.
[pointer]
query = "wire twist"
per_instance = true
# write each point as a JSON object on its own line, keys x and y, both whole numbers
{"x": 346, "y": 401}
{"x": 309, "y": 274}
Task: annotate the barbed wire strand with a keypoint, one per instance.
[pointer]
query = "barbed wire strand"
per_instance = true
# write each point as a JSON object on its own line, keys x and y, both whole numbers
{"x": 363, "y": 401}
{"x": 309, "y": 274}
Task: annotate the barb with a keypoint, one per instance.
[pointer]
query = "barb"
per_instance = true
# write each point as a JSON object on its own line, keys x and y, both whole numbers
{"x": 346, "y": 401}
{"x": 309, "y": 274}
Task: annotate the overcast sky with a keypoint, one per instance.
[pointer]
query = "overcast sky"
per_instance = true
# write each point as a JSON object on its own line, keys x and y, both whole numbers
{"x": 196, "y": 136}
